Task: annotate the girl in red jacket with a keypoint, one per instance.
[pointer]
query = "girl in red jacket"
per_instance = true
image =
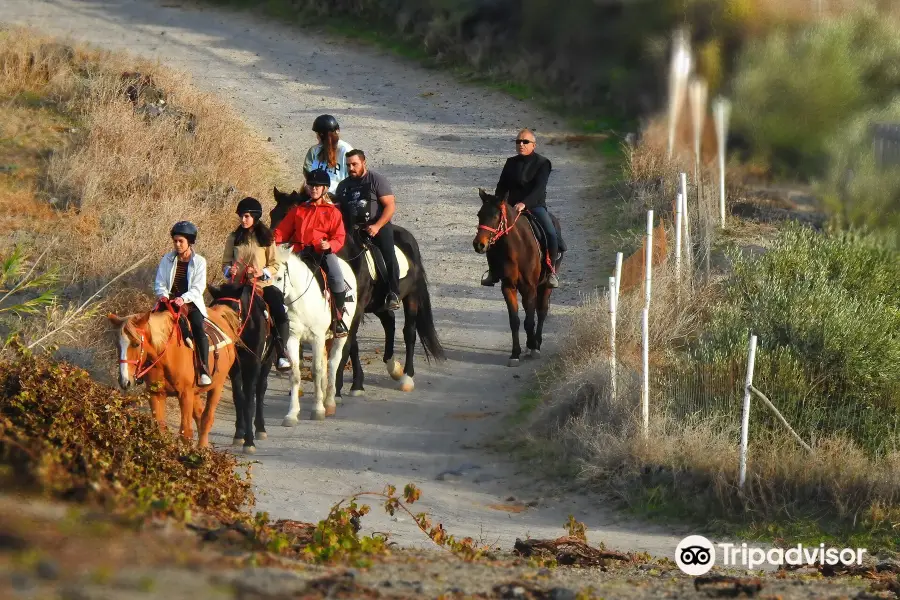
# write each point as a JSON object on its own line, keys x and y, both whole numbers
{"x": 317, "y": 226}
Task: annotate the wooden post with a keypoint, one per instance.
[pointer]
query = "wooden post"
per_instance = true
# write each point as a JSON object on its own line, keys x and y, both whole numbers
{"x": 722, "y": 112}
{"x": 612, "y": 337}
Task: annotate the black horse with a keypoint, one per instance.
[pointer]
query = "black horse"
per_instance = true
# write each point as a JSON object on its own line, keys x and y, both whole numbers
{"x": 418, "y": 317}
{"x": 250, "y": 372}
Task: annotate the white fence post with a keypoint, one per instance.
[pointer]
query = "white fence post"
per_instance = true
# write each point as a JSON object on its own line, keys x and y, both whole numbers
{"x": 686, "y": 219}
{"x": 649, "y": 259}
{"x": 618, "y": 275}
{"x": 645, "y": 388}
{"x": 613, "y": 300}
{"x": 679, "y": 71}
{"x": 679, "y": 201}
{"x": 745, "y": 416}
{"x": 722, "y": 112}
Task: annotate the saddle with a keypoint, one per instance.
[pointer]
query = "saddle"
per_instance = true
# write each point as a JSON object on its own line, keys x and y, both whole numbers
{"x": 311, "y": 260}
{"x": 217, "y": 339}
{"x": 541, "y": 237}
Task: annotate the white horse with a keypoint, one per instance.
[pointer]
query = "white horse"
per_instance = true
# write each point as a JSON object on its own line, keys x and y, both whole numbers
{"x": 309, "y": 315}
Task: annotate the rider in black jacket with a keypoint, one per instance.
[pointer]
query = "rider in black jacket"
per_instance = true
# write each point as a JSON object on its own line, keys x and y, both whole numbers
{"x": 524, "y": 178}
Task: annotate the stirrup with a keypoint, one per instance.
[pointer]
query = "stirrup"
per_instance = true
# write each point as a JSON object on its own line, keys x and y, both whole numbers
{"x": 339, "y": 329}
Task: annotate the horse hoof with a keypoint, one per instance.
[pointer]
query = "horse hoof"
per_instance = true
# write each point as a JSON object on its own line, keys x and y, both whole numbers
{"x": 249, "y": 449}
{"x": 317, "y": 416}
{"x": 394, "y": 369}
{"x": 357, "y": 393}
{"x": 290, "y": 422}
{"x": 513, "y": 362}
{"x": 262, "y": 435}
{"x": 237, "y": 441}
{"x": 330, "y": 410}
{"x": 407, "y": 384}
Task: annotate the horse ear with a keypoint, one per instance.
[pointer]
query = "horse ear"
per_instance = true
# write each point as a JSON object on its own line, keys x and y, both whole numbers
{"x": 483, "y": 195}
{"x": 214, "y": 291}
{"x": 115, "y": 320}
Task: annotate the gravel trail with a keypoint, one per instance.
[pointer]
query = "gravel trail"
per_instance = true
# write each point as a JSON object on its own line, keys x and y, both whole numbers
{"x": 437, "y": 141}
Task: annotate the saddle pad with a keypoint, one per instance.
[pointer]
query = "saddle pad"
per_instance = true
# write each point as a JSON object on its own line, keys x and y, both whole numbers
{"x": 217, "y": 337}
{"x": 402, "y": 263}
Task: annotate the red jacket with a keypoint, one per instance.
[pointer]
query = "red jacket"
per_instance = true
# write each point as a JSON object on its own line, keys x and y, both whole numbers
{"x": 307, "y": 224}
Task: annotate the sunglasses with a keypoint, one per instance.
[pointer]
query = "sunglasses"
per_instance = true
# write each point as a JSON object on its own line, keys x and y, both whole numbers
{"x": 524, "y": 142}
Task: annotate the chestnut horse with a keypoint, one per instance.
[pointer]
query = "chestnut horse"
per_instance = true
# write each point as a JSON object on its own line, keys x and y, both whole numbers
{"x": 151, "y": 349}
{"x": 513, "y": 253}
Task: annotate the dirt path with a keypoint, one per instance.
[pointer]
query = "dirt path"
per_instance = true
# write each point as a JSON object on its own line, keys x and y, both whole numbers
{"x": 401, "y": 115}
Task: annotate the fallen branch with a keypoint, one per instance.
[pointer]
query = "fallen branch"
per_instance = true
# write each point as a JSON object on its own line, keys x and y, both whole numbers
{"x": 570, "y": 550}
{"x": 78, "y": 310}
{"x": 726, "y": 585}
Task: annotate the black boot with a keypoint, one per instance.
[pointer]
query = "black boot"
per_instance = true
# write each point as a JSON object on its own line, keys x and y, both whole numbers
{"x": 340, "y": 330}
{"x": 202, "y": 343}
{"x": 283, "y": 332}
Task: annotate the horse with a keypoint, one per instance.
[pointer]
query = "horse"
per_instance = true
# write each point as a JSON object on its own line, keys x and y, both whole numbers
{"x": 250, "y": 372}
{"x": 372, "y": 288}
{"x": 150, "y": 346}
{"x": 514, "y": 252}
{"x": 309, "y": 314}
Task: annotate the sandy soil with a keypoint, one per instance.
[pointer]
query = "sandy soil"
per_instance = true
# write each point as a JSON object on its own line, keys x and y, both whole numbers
{"x": 401, "y": 115}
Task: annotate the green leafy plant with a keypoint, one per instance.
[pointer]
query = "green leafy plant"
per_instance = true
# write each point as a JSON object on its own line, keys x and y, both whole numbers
{"x": 17, "y": 279}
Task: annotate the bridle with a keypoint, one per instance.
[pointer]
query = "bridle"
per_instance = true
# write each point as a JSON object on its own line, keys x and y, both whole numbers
{"x": 144, "y": 335}
{"x": 502, "y": 227}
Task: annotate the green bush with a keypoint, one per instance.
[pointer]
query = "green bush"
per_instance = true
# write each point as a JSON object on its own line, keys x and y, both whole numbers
{"x": 857, "y": 190}
{"x": 826, "y": 312}
{"x": 795, "y": 89}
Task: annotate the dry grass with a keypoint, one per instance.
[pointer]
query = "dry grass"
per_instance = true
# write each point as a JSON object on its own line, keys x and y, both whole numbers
{"x": 110, "y": 191}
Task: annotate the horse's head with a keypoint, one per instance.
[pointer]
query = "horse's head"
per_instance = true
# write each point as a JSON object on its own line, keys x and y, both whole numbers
{"x": 283, "y": 203}
{"x": 491, "y": 220}
{"x": 131, "y": 342}
{"x": 229, "y": 293}
{"x": 284, "y": 258}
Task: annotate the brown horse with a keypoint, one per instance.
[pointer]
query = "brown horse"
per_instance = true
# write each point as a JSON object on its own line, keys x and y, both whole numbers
{"x": 513, "y": 252}
{"x": 151, "y": 348}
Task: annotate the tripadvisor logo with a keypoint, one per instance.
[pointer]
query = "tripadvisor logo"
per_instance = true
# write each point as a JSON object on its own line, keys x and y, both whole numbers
{"x": 695, "y": 555}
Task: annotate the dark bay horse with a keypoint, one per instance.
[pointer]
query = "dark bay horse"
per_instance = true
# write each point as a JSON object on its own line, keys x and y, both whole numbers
{"x": 418, "y": 317}
{"x": 514, "y": 253}
{"x": 250, "y": 372}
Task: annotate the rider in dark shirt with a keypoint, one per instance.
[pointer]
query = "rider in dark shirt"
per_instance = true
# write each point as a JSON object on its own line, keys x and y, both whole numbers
{"x": 524, "y": 178}
{"x": 369, "y": 186}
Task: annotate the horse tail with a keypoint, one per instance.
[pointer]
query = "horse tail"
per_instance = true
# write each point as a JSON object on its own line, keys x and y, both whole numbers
{"x": 425, "y": 320}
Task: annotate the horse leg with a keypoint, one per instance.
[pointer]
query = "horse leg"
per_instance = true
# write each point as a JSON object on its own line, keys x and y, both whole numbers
{"x": 295, "y": 355}
{"x": 336, "y": 357}
{"x": 543, "y": 300}
{"x": 237, "y": 395}
{"x": 209, "y": 414}
{"x": 186, "y": 401}
{"x": 512, "y": 306}
{"x": 320, "y": 373}
{"x": 357, "y": 389}
{"x": 410, "y": 312}
{"x": 262, "y": 385}
{"x": 251, "y": 375}
{"x": 529, "y": 302}
{"x": 158, "y": 408}
{"x": 388, "y": 322}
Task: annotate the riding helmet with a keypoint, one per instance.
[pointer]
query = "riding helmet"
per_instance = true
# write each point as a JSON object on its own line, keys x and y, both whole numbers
{"x": 325, "y": 123}
{"x": 250, "y": 205}
{"x": 319, "y": 177}
{"x": 186, "y": 229}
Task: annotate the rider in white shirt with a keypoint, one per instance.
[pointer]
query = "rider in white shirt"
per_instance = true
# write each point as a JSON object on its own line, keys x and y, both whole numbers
{"x": 330, "y": 153}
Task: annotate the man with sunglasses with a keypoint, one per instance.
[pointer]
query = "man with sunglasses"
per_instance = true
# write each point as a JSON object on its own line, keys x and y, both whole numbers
{"x": 524, "y": 178}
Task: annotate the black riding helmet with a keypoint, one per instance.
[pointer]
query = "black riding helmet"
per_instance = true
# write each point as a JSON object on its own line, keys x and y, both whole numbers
{"x": 250, "y": 205}
{"x": 186, "y": 229}
{"x": 319, "y": 177}
{"x": 325, "y": 123}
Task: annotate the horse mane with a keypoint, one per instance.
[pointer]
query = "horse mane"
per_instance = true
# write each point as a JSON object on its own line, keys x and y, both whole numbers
{"x": 159, "y": 327}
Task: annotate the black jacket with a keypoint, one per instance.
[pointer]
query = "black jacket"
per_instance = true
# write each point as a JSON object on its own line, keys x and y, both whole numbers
{"x": 525, "y": 179}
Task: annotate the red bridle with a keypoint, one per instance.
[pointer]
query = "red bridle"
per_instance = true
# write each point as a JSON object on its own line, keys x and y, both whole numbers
{"x": 502, "y": 228}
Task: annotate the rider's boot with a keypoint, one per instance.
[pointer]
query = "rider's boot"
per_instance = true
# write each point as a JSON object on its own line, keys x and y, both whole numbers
{"x": 202, "y": 344}
{"x": 283, "y": 333}
{"x": 488, "y": 279}
{"x": 553, "y": 280}
{"x": 340, "y": 330}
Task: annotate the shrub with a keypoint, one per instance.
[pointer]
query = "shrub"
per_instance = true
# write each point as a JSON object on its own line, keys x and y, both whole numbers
{"x": 795, "y": 89}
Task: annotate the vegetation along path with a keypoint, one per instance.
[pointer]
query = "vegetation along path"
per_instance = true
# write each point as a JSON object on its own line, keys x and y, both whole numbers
{"x": 437, "y": 142}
